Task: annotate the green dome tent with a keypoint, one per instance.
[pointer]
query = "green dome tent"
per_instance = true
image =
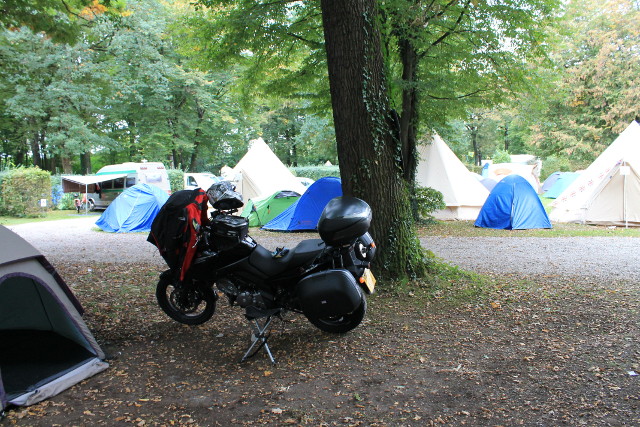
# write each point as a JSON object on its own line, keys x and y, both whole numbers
{"x": 260, "y": 211}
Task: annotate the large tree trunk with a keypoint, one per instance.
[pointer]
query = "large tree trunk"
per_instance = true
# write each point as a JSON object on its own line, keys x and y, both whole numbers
{"x": 67, "y": 167}
{"x": 133, "y": 149}
{"x": 369, "y": 151}
{"x": 85, "y": 163}
{"x": 409, "y": 115}
{"x": 198, "y": 137}
{"x": 35, "y": 149}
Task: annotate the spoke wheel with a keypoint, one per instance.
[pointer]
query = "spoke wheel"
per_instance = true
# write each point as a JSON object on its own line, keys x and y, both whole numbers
{"x": 189, "y": 305}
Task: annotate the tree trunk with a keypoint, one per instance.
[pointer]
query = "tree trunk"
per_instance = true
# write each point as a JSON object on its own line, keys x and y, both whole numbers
{"x": 67, "y": 168}
{"x": 35, "y": 149}
{"x": 198, "y": 136}
{"x": 477, "y": 156}
{"x": 369, "y": 151}
{"x": 133, "y": 150}
{"x": 506, "y": 137}
{"x": 85, "y": 163}
{"x": 409, "y": 115}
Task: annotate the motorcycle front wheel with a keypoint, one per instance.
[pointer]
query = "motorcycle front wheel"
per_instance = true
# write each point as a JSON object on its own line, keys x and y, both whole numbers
{"x": 340, "y": 324}
{"x": 189, "y": 305}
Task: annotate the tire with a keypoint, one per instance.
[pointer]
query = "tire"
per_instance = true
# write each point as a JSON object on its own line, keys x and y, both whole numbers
{"x": 92, "y": 206}
{"x": 188, "y": 305}
{"x": 340, "y": 324}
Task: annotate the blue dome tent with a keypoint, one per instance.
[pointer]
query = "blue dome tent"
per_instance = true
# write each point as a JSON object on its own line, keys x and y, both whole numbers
{"x": 133, "y": 210}
{"x": 305, "y": 213}
{"x": 513, "y": 205}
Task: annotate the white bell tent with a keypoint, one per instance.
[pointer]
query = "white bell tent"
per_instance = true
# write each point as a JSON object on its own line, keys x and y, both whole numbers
{"x": 608, "y": 191}
{"x": 440, "y": 169}
{"x": 260, "y": 173}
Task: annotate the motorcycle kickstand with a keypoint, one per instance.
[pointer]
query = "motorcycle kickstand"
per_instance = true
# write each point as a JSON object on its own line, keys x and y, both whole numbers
{"x": 259, "y": 338}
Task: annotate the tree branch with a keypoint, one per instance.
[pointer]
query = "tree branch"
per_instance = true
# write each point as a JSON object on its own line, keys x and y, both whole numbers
{"x": 449, "y": 98}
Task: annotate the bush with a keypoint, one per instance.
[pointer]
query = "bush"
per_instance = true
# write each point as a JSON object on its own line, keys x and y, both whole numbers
{"x": 315, "y": 172}
{"x": 427, "y": 200}
{"x": 501, "y": 156}
{"x": 22, "y": 190}
{"x": 560, "y": 164}
{"x": 176, "y": 179}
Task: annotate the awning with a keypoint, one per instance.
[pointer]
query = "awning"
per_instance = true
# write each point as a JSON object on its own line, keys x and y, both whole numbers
{"x": 86, "y": 183}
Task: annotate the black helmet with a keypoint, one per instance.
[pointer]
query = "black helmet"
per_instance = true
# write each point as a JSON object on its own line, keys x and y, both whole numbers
{"x": 223, "y": 196}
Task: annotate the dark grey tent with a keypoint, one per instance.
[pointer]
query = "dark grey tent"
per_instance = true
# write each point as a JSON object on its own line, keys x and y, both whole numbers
{"x": 45, "y": 346}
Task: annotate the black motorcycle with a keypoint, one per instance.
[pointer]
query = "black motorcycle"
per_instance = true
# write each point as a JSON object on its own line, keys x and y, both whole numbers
{"x": 324, "y": 279}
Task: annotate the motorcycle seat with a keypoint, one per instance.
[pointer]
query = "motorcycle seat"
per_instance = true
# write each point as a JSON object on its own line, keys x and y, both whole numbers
{"x": 263, "y": 260}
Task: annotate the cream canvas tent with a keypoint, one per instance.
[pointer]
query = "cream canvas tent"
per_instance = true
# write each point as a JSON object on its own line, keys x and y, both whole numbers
{"x": 608, "y": 191}
{"x": 45, "y": 346}
{"x": 260, "y": 173}
{"x": 440, "y": 169}
{"x": 497, "y": 171}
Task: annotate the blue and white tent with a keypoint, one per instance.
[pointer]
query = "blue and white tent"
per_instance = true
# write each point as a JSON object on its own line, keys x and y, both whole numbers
{"x": 551, "y": 179}
{"x": 564, "y": 180}
{"x": 305, "y": 213}
{"x": 133, "y": 210}
{"x": 513, "y": 204}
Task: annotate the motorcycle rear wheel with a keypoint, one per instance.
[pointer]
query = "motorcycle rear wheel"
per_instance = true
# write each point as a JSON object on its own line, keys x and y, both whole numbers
{"x": 340, "y": 324}
{"x": 188, "y": 305}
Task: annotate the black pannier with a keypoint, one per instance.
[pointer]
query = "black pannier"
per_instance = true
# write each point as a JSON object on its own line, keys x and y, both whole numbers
{"x": 329, "y": 293}
{"x": 228, "y": 230}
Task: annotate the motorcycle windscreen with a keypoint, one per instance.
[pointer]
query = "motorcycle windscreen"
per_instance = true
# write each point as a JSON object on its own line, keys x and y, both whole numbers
{"x": 328, "y": 293}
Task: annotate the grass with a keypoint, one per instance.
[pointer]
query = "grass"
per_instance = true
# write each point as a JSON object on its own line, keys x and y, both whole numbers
{"x": 467, "y": 229}
{"x": 52, "y": 215}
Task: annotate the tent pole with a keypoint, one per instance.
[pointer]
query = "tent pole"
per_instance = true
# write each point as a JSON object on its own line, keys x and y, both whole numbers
{"x": 86, "y": 197}
{"x": 624, "y": 201}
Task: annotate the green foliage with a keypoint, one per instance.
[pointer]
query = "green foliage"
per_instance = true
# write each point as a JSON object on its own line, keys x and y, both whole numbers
{"x": 467, "y": 55}
{"x": 176, "y": 179}
{"x": 22, "y": 189}
{"x": 427, "y": 201}
{"x": 501, "y": 156}
{"x": 66, "y": 202}
{"x": 315, "y": 172}
{"x": 60, "y": 20}
{"x": 277, "y": 48}
{"x": 121, "y": 93}
{"x": 298, "y": 138}
{"x": 561, "y": 164}
{"x": 591, "y": 92}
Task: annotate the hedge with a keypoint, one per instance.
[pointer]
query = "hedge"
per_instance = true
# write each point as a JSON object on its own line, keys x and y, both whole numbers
{"x": 22, "y": 190}
{"x": 315, "y": 172}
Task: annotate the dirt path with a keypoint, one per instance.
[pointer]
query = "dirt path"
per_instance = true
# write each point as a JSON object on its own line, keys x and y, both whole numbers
{"x": 538, "y": 350}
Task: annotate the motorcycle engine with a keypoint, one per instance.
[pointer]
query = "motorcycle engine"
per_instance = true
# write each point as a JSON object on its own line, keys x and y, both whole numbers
{"x": 227, "y": 287}
{"x": 246, "y": 299}
{"x": 241, "y": 297}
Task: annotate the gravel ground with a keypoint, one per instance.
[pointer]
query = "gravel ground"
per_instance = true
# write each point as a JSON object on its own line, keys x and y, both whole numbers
{"x": 81, "y": 239}
{"x": 600, "y": 257}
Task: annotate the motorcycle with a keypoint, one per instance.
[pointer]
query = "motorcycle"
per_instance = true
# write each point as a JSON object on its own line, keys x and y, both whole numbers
{"x": 325, "y": 279}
